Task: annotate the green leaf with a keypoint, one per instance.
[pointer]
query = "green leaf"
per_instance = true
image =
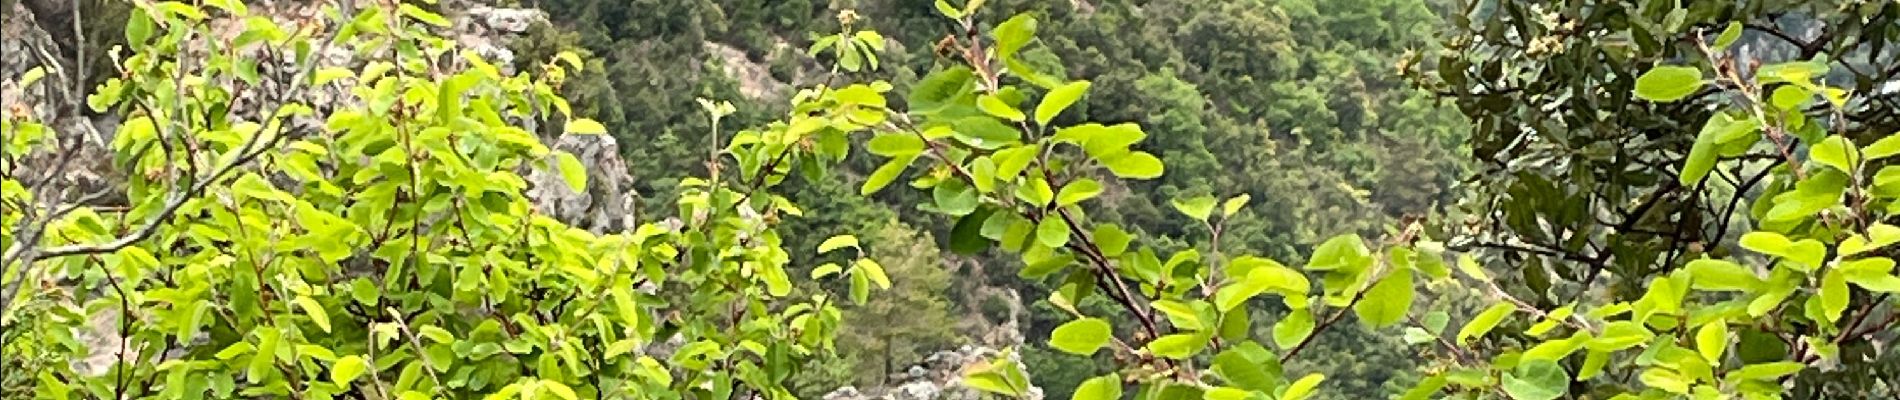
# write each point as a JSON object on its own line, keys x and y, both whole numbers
{"x": 885, "y": 174}
{"x": 1802, "y": 72}
{"x": 895, "y": 145}
{"x": 1729, "y": 34}
{"x": 138, "y": 28}
{"x": 967, "y": 236}
{"x": 1836, "y": 151}
{"x": 1010, "y": 162}
{"x": 994, "y": 106}
{"x": 777, "y": 282}
{"x": 1077, "y": 191}
{"x": 1484, "y": 322}
{"x": 1718, "y": 131}
{"x": 572, "y": 171}
{"x": 983, "y": 132}
{"x": 1387, "y": 302}
{"x": 1036, "y": 191}
{"x": 1887, "y": 146}
{"x": 837, "y": 242}
{"x": 1059, "y": 99}
{"x": 346, "y": 369}
{"x": 1181, "y": 315}
{"x": 559, "y": 389}
{"x": 825, "y": 270}
{"x": 584, "y": 126}
{"x": 235, "y": 7}
{"x": 1052, "y": 232}
{"x": 1468, "y": 264}
{"x": 1135, "y": 165}
{"x": 983, "y": 175}
{"x": 1712, "y": 340}
{"x": 943, "y": 7}
{"x": 1593, "y": 363}
{"x": 1808, "y": 253}
{"x": 955, "y": 198}
{"x": 1537, "y": 380}
{"x": 1105, "y": 387}
{"x": 997, "y": 376}
{"x": 1668, "y": 83}
{"x": 1178, "y": 346}
{"x": 1198, "y": 207}
{"x": 1013, "y": 34}
{"x": 428, "y": 18}
{"x": 1425, "y": 388}
{"x": 1293, "y": 329}
{"x": 1834, "y": 294}
{"x": 365, "y": 292}
{"x": 1300, "y": 389}
{"x": 1111, "y": 239}
{"x": 1721, "y": 275}
{"x": 1343, "y": 252}
{"x": 871, "y": 269}
{"x": 1081, "y": 337}
{"x": 1789, "y": 97}
{"x": 860, "y": 287}
{"x": 1234, "y": 204}
{"x": 939, "y": 90}
{"x": 1621, "y": 335}
{"x": 1765, "y": 372}
{"x": 1249, "y": 366}
{"x": 315, "y": 311}
{"x": 1666, "y": 380}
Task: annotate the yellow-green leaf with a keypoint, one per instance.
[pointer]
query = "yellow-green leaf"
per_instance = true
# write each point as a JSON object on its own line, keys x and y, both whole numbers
{"x": 1302, "y": 388}
{"x": 1077, "y": 191}
{"x": 584, "y": 126}
{"x": 885, "y": 174}
{"x": 572, "y": 171}
{"x": 1484, "y": 322}
{"x": 1387, "y": 302}
{"x": 1081, "y": 337}
{"x": 1834, "y": 294}
{"x": 1720, "y": 275}
{"x": 1059, "y": 99}
{"x": 1836, "y": 151}
{"x": 837, "y": 242}
{"x": 346, "y": 369}
{"x": 1712, "y": 340}
{"x": 1668, "y": 83}
{"x": 994, "y": 106}
{"x": 315, "y": 311}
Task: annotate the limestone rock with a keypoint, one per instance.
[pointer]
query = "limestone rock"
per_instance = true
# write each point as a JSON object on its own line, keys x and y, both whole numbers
{"x": 939, "y": 377}
{"x": 605, "y": 204}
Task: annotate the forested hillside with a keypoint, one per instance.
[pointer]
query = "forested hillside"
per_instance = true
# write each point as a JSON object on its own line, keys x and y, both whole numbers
{"x": 949, "y": 199}
{"x": 1294, "y": 103}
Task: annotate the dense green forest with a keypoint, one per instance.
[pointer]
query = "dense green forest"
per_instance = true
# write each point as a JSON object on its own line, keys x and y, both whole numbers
{"x": 1071, "y": 199}
{"x": 1322, "y": 113}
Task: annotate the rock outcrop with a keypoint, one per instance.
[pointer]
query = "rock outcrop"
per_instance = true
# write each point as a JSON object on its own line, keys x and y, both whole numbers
{"x": 607, "y": 202}
{"x": 939, "y": 377}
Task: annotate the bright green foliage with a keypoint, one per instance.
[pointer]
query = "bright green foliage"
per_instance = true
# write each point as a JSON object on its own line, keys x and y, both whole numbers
{"x": 387, "y": 250}
{"x": 1195, "y": 313}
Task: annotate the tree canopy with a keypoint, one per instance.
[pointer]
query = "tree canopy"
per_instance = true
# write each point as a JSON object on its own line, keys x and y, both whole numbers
{"x": 1156, "y": 199}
